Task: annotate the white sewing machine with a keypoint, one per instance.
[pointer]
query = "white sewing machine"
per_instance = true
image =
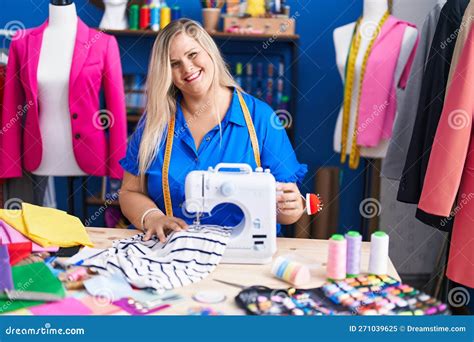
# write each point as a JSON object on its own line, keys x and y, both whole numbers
{"x": 253, "y": 241}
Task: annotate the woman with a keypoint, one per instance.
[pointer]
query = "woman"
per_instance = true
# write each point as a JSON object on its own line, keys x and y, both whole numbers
{"x": 190, "y": 91}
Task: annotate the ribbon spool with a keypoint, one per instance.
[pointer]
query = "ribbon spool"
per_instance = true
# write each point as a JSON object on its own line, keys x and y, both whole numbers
{"x": 336, "y": 265}
{"x": 378, "y": 262}
{"x": 354, "y": 245}
{"x": 291, "y": 271}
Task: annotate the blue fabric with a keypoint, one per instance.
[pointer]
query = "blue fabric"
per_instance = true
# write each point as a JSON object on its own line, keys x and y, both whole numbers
{"x": 276, "y": 153}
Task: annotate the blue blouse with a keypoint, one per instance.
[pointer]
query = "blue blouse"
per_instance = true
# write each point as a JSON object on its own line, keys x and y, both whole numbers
{"x": 234, "y": 146}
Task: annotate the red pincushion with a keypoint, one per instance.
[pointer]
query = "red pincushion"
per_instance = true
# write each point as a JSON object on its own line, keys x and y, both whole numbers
{"x": 313, "y": 204}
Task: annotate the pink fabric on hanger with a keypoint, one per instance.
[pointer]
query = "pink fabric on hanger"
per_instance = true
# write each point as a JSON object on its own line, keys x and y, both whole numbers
{"x": 378, "y": 99}
{"x": 9, "y": 234}
{"x": 450, "y": 175}
{"x": 96, "y": 63}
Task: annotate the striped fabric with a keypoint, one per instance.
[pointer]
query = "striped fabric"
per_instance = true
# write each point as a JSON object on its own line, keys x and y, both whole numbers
{"x": 185, "y": 258}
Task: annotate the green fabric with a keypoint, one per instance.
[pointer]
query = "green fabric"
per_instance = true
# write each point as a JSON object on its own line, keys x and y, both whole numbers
{"x": 36, "y": 277}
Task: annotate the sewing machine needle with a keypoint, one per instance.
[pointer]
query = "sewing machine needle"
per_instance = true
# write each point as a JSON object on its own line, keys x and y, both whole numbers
{"x": 230, "y": 284}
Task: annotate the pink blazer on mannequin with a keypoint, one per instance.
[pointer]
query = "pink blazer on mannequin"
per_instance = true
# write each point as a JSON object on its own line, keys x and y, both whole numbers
{"x": 450, "y": 175}
{"x": 96, "y": 64}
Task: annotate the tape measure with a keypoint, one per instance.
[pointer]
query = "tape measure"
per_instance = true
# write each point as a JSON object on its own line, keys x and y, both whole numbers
{"x": 169, "y": 146}
{"x": 354, "y": 157}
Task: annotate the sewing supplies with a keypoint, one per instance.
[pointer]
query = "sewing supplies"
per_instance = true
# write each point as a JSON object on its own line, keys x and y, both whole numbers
{"x": 230, "y": 284}
{"x": 291, "y": 271}
{"x": 354, "y": 246}
{"x": 269, "y": 87}
{"x": 155, "y": 15}
{"x": 165, "y": 16}
{"x": 30, "y": 296}
{"x": 378, "y": 262}
{"x": 203, "y": 311}
{"x": 144, "y": 17}
{"x": 381, "y": 295}
{"x": 6, "y": 279}
{"x": 209, "y": 297}
{"x": 175, "y": 13}
{"x": 238, "y": 73}
{"x": 132, "y": 308}
{"x": 76, "y": 274}
{"x": 313, "y": 204}
{"x": 133, "y": 16}
{"x": 337, "y": 254}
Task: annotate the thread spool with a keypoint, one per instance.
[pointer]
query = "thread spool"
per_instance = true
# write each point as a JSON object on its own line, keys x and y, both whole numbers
{"x": 77, "y": 274}
{"x": 154, "y": 17}
{"x": 144, "y": 17}
{"x": 378, "y": 261}
{"x": 291, "y": 271}
{"x": 165, "y": 17}
{"x": 133, "y": 17}
{"x": 354, "y": 245}
{"x": 336, "y": 265}
{"x": 175, "y": 13}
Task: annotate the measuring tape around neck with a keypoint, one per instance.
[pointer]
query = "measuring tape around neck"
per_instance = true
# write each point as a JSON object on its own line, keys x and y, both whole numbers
{"x": 354, "y": 157}
{"x": 169, "y": 146}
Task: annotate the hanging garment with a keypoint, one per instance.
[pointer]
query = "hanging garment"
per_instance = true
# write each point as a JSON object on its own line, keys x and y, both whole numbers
{"x": 450, "y": 172}
{"x": 374, "y": 96}
{"x": 96, "y": 62}
{"x": 185, "y": 258}
{"x": 462, "y": 33}
{"x": 403, "y": 126}
{"x": 431, "y": 101}
{"x": 47, "y": 226}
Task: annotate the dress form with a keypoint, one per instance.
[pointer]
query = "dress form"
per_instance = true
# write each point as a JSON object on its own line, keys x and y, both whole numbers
{"x": 373, "y": 12}
{"x": 54, "y": 66}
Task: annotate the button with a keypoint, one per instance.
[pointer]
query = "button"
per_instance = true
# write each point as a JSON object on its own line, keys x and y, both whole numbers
{"x": 77, "y": 136}
{"x": 196, "y": 159}
{"x": 74, "y": 116}
{"x": 208, "y": 138}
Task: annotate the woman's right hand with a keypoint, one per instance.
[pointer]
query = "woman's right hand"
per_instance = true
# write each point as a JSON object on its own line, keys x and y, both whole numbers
{"x": 158, "y": 224}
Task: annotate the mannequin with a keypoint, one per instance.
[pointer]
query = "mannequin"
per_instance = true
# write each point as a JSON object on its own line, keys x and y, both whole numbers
{"x": 115, "y": 17}
{"x": 373, "y": 12}
{"x": 54, "y": 68}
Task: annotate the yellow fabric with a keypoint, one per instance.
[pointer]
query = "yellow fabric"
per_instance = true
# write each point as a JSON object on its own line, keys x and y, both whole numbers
{"x": 47, "y": 226}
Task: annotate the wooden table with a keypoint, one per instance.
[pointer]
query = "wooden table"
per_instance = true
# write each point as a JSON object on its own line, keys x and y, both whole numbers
{"x": 312, "y": 251}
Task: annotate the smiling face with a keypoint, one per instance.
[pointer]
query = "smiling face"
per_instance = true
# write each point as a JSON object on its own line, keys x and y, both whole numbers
{"x": 192, "y": 68}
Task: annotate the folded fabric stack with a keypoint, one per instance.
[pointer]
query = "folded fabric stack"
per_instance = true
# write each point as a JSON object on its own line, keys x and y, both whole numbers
{"x": 47, "y": 227}
{"x": 185, "y": 258}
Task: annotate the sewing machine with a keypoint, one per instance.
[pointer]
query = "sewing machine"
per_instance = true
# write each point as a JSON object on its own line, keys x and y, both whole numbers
{"x": 253, "y": 241}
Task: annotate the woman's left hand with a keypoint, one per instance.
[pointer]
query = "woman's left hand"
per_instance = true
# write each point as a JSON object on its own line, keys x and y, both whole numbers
{"x": 289, "y": 200}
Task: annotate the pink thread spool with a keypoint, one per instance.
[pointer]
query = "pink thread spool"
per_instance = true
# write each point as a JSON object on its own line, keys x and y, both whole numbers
{"x": 77, "y": 274}
{"x": 336, "y": 266}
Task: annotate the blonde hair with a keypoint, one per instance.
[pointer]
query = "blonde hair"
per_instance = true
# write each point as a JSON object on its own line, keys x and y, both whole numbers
{"x": 162, "y": 93}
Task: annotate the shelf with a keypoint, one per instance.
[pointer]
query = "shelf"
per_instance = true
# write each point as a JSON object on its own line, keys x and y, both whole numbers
{"x": 216, "y": 35}
{"x": 133, "y": 118}
{"x": 95, "y": 200}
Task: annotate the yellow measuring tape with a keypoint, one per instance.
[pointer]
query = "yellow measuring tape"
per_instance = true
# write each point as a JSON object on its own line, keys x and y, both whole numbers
{"x": 354, "y": 157}
{"x": 169, "y": 147}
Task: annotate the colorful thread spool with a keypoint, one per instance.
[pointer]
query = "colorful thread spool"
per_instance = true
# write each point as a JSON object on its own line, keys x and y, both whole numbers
{"x": 165, "y": 17}
{"x": 144, "y": 17}
{"x": 336, "y": 265}
{"x": 77, "y": 274}
{"x": 133, "y": 16}
{"x": 378, "y": 262}
{"x": 155, "y": 17}
{"x": 175, "y": 13}
{"x": 354, "y": 245}
{"x": 291, "y": 271}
